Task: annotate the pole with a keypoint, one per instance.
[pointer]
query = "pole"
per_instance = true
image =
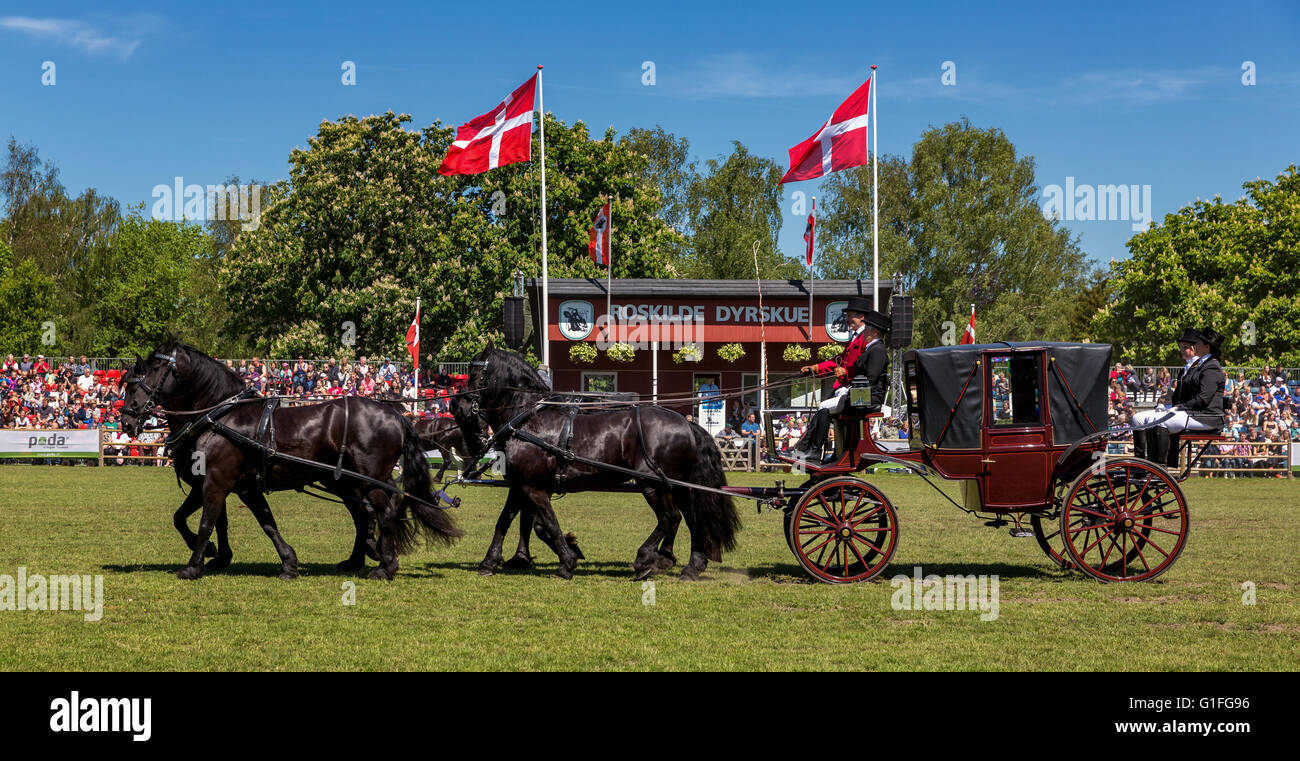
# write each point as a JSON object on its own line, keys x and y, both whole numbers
{"x": 875, "y": 200}
{"x": 762, "y": 351}
{"x": 416, "y": 407}
{"x": 546, "y": 288}
{"x": 609, "y": 276}
{"x": 654, "y": 371}
{"x": 811, "y": 277}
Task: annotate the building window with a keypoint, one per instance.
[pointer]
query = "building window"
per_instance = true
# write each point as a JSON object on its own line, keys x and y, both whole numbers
{"x": 600, "y": 382}
{"x": 801, "y": 394}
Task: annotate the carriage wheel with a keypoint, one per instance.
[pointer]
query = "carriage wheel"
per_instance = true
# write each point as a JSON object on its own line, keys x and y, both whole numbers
{"x": 843, "y": 530}
{"x": 1125, "y": 522}
{"x": 1048, "y": 533}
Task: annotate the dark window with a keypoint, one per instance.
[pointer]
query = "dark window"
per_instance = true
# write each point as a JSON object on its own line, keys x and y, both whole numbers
{"x": 1014, "y": 389}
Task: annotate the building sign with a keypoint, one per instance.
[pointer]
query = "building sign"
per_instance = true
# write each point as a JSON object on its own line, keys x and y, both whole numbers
{"x": 576, "y": 319}
{"x": 837, "y": 324}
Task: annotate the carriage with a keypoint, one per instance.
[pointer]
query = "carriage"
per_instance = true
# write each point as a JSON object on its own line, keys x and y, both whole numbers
{"x": 1023, "y": 427}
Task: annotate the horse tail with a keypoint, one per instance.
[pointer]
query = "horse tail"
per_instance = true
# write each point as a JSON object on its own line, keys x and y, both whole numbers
{"x": 435, "y": 522}
{"x": 715, "y": 514}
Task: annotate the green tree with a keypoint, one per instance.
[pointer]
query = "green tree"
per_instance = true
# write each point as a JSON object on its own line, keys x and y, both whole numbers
{"x": 142, "y": 286}
{"x": 1232, "y": 266}
{"x": 961, "y": 224}
{"x": 735, "y": 203}
{"x": 26, "y": 294}
{"x": 668, "y": 167}
{"x": 365, "y": 224}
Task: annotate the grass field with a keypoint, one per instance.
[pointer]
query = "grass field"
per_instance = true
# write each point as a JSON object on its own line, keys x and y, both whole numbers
{"x": 754, "y": 611}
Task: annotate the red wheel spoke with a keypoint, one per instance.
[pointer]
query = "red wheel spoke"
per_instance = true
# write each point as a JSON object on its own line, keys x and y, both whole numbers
{"x": 878, "y": 508}
{"x": 1100, "y": 501}
{"x": 1163, "y": 531}
{"x": 1158, "y": 515}
{"x": 1094, "y": 527}
{"x": 1093, "y": 512}
{"x": 867, "y": 542}
{"x": 817, "y": 518}
{"x": 1094, "y": 544}
{"x": 862, "y": 560}
{"x": 861, "y": 496}
{"x": 825, "y": 542}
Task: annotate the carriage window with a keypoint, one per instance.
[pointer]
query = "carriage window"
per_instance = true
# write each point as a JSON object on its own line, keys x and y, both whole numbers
{"x": 600, "y": 382}
{"x": 913, "y": 409}
{"x": 1014, "y": 390}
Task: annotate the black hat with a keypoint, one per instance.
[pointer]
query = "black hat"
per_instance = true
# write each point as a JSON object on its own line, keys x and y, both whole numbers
{"x": 859, "y": 304}
{"x": 879, "y": 321}
{"x": 1192, "y": 336}
{"x": 1215, "y": 340}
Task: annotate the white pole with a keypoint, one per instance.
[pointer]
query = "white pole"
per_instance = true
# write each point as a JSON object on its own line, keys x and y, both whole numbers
{"x": 810, "y": 269}
{"x": 875, "y": 200}
{"x": 416, "y": 407}
{"x": 609, "y": 276}
{"x": 546, "y": 288}
{"x": 654, "y": 371}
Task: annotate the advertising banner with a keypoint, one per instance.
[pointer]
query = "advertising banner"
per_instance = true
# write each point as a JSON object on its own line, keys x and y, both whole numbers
{"x": 28, "y": 442}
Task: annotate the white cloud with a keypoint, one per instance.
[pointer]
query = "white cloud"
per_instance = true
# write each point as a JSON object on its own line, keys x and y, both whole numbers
{"x": 740, "y": 75}
{"x": 75, "y": 33}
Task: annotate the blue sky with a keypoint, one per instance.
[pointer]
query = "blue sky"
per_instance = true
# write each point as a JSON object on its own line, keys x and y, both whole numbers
{"x": 1110, "y": 94}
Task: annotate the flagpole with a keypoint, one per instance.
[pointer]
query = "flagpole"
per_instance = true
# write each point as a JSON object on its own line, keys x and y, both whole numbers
{"x": 609, "y": 265}
{"x": 416, "y": 407}
{"x": 811, "y": 278}
{"x": 546, "y": 292}
{"x": 875, "y": 200}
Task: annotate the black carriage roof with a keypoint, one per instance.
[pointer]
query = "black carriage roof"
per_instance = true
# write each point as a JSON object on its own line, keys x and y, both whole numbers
{"x": 1077, "y": 379}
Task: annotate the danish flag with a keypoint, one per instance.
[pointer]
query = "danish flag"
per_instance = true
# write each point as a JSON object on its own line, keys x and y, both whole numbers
{"x": 841, "y": 142}
{"x": 598, "y": 246}
{"x": 502, "y": 136}
{"x": 413, "y": 337}
{"x": 969, "y": 336}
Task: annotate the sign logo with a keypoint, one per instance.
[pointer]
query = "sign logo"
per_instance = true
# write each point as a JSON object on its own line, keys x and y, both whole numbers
{"x": 837, "y": 324}
{"x": 576, "y": 319}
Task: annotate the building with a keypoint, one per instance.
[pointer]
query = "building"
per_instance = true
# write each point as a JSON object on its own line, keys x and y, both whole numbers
{"x": 661, "y": 318}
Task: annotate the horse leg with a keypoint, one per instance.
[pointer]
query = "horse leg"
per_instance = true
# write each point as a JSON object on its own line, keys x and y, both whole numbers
{"x": 364, "y": 544}
{"x": 386, "y": 512}
{"x": 193, "y": 501}
{"x": 214, "y": 504}
{"x": 492, "y": 560}
{"x": 551, "y": 532}
{"x": 647, "y": 555}
{"x": 223, "y": 553}
{"x": 699, "y": 545}
{"x": 523, "y": 559}
{"x": 262, "y": 511}
{"x": 666, "y": 557}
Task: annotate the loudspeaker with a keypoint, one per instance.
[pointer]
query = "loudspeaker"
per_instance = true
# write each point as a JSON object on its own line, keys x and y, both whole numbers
{"x": 900, "y": 311}
{"x": 514, "y": 322}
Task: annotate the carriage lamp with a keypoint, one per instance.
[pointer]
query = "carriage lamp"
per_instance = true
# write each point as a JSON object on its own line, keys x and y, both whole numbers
{"x": 518, "y": 291}
{"x": 860, "y": 391}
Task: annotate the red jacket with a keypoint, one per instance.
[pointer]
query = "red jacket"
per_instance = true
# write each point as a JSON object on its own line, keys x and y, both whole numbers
{"x": 845, "y": 359}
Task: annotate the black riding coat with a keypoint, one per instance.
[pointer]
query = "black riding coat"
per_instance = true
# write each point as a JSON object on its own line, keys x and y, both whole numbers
{"x": 1199, "y": 392}
{"x": 874, "y": 363}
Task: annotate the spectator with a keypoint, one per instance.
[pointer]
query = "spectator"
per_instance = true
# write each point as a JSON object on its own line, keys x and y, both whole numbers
{"x": 25, "y": 366}
{"x": 750, "y": 428}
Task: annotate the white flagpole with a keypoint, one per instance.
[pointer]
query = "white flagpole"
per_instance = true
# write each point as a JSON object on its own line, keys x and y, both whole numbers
{"x": 416, "y": 406}
{"x": 546, "y": 288}
{"x": 875, "y": 201}
{"x": 811, "y": 278}
{"x": 609, "y": 276}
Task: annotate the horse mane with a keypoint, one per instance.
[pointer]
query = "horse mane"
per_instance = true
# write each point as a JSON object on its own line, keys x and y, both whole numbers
{"x": 508, "y": 368}
{"x": 206, "y": 373}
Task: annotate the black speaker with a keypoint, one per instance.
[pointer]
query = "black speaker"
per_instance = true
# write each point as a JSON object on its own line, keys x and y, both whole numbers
{"x": 900, "y": 311}
{"x": 514, "y": 322}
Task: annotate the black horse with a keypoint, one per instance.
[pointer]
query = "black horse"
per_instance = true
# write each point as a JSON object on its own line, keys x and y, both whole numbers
{"x": 442, "y": 434}
{"x": 652, "y": 441}
{"x": 365, "y": 437}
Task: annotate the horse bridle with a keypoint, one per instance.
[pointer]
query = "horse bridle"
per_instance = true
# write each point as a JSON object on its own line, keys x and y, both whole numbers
{"x": 474, "y": 407}
{"x": 152, "y": 402}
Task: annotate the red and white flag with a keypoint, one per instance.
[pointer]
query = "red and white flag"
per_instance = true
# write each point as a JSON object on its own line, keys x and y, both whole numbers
{"x": 841, "y": 142}
{"x": 413, "y": 337}
{"x": 502, "y": 136}
{"x": 969, "y": 336}
{"x": 808, "y": 232}
{"x": 598, "y": 246}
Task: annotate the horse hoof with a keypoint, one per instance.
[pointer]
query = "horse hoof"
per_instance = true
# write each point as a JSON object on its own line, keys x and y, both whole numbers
{"x": 288, "y": 575}
{"x": 189, "y": 572}
{"x": 690, "y": 574}
{"x": 381, "y": 574}
{"x": 216, "y": 565}
{"x": 209, "y": 551}
{"x": 519, "y": 562}
{"x": 484, "y": 570}
{"x": 564, "y": 573}
{"x": 643, "y": 573}
{"x": 665, "y": 561}
{"x": 351, "y": 565}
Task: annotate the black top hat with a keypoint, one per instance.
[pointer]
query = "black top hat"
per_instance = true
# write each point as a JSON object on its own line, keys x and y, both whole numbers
{"x": 1192, "y": 336}
{"x": 1215, "y": 340}
{"x": 858, "y": 304}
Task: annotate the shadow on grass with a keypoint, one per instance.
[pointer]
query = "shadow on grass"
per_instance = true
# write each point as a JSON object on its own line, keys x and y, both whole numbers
{"x": 610, "y": 570}
{"x": 272, "y": 570}
{"x": 1001, "y": 570}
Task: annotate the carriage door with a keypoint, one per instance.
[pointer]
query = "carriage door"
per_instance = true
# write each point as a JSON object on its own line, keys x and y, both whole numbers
{"x": 1017, "y": 461}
